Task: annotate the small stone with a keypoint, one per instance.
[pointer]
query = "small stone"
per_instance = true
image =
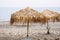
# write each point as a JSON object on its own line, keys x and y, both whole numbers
{"x": 57, "y": 39}
{"x": 45, "y": 38}
{"x": 38, "y": 39}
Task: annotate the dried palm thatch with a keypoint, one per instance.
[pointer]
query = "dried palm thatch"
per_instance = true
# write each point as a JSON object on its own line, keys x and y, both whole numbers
{"x": 50, "y": 15}
{"x": 58, "y": 18}
{"x": 27, "y": 14}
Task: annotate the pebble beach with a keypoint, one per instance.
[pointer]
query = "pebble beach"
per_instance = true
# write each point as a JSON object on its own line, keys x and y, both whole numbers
{"x": 36, "y": 31}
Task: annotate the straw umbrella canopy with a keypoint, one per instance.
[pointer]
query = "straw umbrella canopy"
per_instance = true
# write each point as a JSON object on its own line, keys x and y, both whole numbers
{"x": 58, "y": 18}
{"x": 27, "y": 15}
{"x": 23, "y": 15}
{"x": 51, "y": 16}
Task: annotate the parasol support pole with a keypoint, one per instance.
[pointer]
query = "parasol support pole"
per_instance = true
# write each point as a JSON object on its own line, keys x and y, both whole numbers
{"x": 48, "y": 28}
{"x": 28, "y": 29}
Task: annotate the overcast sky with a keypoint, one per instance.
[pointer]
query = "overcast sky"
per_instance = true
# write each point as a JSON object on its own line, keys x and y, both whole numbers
{"x": 31, "y": 3}
{"x": 7, "y": 7}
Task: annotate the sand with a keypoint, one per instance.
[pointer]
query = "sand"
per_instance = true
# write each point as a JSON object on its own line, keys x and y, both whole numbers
{"x": 36, "y": 31}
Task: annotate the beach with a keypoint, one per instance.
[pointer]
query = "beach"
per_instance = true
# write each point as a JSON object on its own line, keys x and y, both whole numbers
{"x": 37, "y": 31}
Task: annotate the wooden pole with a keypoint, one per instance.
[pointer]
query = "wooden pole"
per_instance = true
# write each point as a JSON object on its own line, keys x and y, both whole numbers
{"x": 48, "y": 28}
{"x": 28, "y": 29}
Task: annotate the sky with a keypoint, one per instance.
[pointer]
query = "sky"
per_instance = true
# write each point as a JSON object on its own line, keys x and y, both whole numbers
{"x": 31, "y": 3}
{"x": 7, "y": 7}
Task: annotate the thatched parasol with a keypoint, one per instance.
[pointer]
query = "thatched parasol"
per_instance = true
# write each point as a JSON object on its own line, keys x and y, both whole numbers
{"x": 27, "y": 15}
{"x": 24, "y": 14}
{"x": 51, "y": 16}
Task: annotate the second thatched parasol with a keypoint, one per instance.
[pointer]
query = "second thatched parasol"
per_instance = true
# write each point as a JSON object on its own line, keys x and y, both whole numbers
{"x": 51, "y": 16}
